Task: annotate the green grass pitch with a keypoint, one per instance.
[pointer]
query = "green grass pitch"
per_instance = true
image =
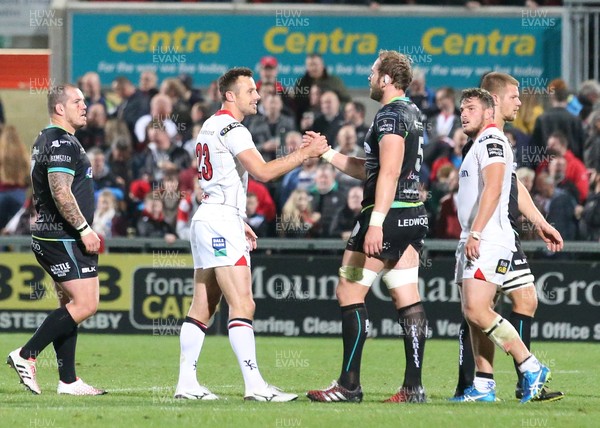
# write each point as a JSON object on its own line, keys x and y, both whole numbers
{"x": 140, "y": 373}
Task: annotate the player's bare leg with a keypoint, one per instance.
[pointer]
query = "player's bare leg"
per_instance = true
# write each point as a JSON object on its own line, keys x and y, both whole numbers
{"x": 402, "y": 283}
{"x": 207, "y": 295}
{"x": 236, "y": 285}
{"x": 478, "y": 296}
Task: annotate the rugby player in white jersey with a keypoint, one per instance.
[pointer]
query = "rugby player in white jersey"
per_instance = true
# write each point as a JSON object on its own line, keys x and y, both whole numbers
{"x": 221, "y": 240}
{"x": 519, "y": 284}
{"x": 486, "y": 247}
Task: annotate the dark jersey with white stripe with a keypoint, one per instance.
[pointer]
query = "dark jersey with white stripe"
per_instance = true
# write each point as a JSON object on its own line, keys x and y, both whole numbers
{"x": 55, "y": 150}
{"x": 403, "y": 118}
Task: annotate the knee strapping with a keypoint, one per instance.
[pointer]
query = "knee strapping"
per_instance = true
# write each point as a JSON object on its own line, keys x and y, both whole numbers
{"x": 502, "y": 333}
{"x": 359, "y": 275}
{"x": 394, "y": 278}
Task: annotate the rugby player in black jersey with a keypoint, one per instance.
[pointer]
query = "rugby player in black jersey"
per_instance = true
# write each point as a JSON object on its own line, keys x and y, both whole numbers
{"x": 62, "y": 240}
{"x": 388, "y": 234}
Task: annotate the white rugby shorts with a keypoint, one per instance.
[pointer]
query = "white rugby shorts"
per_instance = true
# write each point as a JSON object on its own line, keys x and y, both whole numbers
{"x": 217, "y": 238}
{"x": 492, "y": 265}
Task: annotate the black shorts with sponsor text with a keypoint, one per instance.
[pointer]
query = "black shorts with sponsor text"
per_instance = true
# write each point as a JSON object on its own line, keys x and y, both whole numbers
{"x": 402, "y": 227}
{"x": 65, "y": 260}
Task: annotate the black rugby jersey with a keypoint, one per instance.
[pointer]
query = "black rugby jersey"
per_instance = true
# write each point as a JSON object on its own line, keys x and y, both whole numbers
{"x": 55, "y": 150}
{"x": 401, "y": 117}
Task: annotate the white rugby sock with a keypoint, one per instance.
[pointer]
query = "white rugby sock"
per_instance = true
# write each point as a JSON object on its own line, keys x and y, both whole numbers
{"x": 531, "y": 364}
{"x": 483, "y": 384}
{"x": 241, "y": 337}
{"x": 191, "y": 338}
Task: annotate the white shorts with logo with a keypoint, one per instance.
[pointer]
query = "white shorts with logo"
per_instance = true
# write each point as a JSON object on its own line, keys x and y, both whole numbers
{"x": 217, "y": 238}
{"x": 491, "y": 266}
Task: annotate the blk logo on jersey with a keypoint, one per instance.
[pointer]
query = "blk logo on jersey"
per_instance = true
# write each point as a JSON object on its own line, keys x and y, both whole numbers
{"x": 502, "y": 267}
{"x": 220, "y": 246}
{"x": 88, "y": 269}
{"x": 495, "y": 150}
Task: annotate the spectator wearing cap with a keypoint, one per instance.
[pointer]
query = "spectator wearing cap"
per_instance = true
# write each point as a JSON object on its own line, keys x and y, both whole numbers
{"x": 269, "y": 67}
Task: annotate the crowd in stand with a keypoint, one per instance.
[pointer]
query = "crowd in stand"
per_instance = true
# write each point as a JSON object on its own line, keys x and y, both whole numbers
{"x": 140, "y": 138}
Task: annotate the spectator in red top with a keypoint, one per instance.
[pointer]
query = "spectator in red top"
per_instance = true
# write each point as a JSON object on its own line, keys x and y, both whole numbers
{"x": 575, "y": 171}
{"x": 266, "y": 205}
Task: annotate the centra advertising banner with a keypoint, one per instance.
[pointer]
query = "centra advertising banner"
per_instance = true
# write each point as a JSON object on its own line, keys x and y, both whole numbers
{"x": 451, "y": 50}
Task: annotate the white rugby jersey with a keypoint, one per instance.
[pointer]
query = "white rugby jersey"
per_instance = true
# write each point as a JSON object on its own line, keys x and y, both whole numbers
{"x": 222, "y": 177}
{"x": 491, "y": 146}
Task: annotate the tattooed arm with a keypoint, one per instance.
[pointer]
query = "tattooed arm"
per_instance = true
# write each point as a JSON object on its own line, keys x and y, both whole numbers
{"x": 60, "y": 186}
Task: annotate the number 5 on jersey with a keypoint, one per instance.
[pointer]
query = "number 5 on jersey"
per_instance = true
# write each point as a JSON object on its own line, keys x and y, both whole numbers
{"x": 205, "y": 169}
